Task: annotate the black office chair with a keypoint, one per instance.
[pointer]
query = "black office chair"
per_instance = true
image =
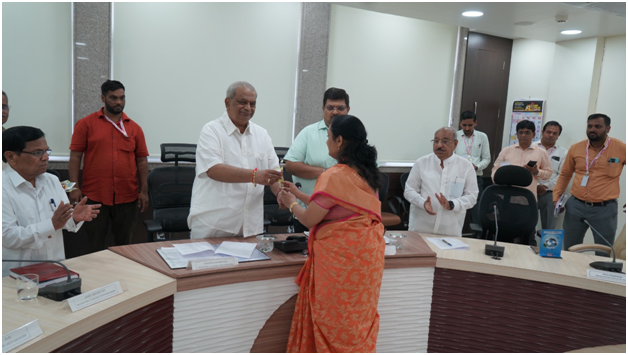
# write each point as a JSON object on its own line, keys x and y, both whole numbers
{"x": 399, "y": 205}
{"x": 273, "y": 215}
{"x": 388, "y": 219}
{"x": 517, "y": 213}
{"x": 170, "y": 192}
{"x": 54, "y": 172}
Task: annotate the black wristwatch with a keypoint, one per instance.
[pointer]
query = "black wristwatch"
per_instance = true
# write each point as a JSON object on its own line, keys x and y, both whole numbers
{"x": 451, "y": 205}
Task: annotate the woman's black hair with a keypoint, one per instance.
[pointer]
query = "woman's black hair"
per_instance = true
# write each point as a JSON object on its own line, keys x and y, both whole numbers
{"x": 355, "y": 149}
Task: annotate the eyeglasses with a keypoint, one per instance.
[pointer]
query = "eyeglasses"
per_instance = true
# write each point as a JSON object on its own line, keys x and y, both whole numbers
{"x": 6, "y": 107}
{"x": 524, "y": 133}
{"x": 444, "y": 141}
{"x": 38, "y": 153}
{"x": 337, "y": 108}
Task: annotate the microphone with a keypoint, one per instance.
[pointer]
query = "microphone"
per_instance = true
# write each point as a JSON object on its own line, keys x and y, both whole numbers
{"x": 494, "y": 250}
{"x": 604, "y": 265}
{"x": 57, "y": 291}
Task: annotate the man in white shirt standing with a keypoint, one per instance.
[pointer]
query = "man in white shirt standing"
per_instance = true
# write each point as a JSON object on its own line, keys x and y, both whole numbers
{"x": 441, "y": 187}
{"x": 35, "y": 208}
{"x": 473, "y": 146}
{"x": 235, "y": 158}
{"x": 549, "y": 136}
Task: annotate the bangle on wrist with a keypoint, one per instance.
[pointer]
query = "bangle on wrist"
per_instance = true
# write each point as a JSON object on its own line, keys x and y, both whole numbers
{"x": 292, "y": 206}
{"x": 253, "y": 178}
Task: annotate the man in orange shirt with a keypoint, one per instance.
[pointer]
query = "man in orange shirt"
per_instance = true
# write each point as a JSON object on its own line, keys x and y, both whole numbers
{"x": 598, "y": 162}
{"x": 115, "y": 153}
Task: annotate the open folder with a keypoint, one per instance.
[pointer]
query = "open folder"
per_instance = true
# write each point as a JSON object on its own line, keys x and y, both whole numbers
{"x": 175, "y": 260}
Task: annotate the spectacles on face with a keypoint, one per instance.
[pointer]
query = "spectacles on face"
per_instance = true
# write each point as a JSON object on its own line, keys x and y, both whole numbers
{"x": 524, "y": 133}
{"x": 444, "y": 141}
{"x": 38, "y": 153}
{"x": 6, "y": 107}
{"x": 331, "y": 108}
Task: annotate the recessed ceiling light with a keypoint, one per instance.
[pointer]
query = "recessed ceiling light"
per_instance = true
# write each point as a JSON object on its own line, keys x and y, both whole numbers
{"x": 472, "y": 13}
{"x": 571, "y": 32}
{"x": 525, "y": 23}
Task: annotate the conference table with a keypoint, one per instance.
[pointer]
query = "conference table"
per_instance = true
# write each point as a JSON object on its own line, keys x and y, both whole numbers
{"x": 431, "y": 300}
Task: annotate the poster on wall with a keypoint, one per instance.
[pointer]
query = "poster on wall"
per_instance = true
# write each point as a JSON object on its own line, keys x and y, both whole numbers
{"x": 531, "y": 110}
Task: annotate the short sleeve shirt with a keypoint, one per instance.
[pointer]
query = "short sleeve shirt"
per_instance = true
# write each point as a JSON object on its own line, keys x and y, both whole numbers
{"x": 109, "y": 161}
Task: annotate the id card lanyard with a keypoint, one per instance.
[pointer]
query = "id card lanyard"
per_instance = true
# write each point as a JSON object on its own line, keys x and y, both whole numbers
{"x": 121, "y": 130}
{"x": 468, "y": 148}
{"x": 549, "y": 152}
{"x": 585, "y": 179}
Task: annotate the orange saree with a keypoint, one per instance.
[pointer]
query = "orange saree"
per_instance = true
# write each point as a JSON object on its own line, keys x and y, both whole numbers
{"x": 336, "y": 310}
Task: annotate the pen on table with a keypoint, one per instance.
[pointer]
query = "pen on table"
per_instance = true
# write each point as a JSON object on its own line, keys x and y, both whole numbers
{"x": 446, "y": 242}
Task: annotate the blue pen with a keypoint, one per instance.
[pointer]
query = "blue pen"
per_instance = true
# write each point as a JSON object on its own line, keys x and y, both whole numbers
{"x": 52, "y": 203}
{"x": 446, "y": 242}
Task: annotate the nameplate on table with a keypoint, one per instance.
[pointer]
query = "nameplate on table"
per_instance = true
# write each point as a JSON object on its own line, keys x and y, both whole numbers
{"x": 94, "y": 296}
{"x": 21, "y": 335}
{"x": 390, "y": 250}
{"x": 615, "y": 277}
{"x": 212, "y": 262}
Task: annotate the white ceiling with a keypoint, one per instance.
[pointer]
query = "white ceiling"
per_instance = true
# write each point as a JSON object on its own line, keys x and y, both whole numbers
{"x": 593, "y": 19}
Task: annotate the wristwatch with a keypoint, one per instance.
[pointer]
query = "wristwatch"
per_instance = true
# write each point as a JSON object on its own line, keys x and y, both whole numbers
{"x": 451, "y": 205}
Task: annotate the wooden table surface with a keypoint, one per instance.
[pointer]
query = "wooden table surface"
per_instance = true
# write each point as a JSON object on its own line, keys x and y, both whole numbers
{"x": 520, "y": 262}
{"x": 141, "y": 286}
{"x": 415, "y": 253}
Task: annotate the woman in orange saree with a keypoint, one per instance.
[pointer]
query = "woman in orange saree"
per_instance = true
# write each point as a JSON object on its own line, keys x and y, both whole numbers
{"x": 336, "y": 309}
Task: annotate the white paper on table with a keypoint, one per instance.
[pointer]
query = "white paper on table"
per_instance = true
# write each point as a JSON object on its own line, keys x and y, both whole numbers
{"x": 175, "y": 260}
{"x": 192, "y": 248}
{"x": 244, "y": 250}
{"x": 454, "y": 243}
{"x": 559, "y": 205}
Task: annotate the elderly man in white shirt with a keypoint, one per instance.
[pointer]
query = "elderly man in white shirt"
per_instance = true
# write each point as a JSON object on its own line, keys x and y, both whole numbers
{"x": 441, "y": 187}
{"x": 235, "y": 158}
{"x": 549, "y": 136}
{"x": 35, "y": 208}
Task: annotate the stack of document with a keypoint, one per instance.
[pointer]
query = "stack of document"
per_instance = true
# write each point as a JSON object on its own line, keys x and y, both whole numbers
{"x": 449, "y": 243}
{"x": 559, "y": 205}
{"x": 179, "y": 255}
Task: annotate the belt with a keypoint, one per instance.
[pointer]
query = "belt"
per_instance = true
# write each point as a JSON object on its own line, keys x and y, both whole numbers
{"x": 591, "y": 204}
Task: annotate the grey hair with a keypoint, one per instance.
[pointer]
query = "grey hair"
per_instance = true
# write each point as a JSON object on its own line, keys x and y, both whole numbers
{"x": 233, "y": 87}
{"x": 450, "y": 130}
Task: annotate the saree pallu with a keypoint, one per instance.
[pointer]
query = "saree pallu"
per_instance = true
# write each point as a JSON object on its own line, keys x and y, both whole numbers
{"x": 336, "y": 309}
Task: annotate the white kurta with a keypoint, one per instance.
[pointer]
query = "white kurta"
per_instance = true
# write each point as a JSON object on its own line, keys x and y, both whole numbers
{"x": 457, "y": 181}
{"x": 230, "y": 207}
{"x": 27, "y": 230}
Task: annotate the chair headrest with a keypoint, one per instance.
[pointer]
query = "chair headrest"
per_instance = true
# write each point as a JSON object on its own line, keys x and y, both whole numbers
{"x": 513, "y": 175}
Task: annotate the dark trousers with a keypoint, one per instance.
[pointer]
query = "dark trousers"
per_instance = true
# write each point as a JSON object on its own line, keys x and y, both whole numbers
{"x": 123, "y": 217}
{"x": 475, "y": 211}
{"x": 602, "y": 218}
{"x": 298, "y": 226}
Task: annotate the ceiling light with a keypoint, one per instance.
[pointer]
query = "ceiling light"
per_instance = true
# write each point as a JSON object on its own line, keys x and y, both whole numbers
{"x": 472, "y": 13}
{"x": 571, "y": 32}
{"x": 525, "y": 23}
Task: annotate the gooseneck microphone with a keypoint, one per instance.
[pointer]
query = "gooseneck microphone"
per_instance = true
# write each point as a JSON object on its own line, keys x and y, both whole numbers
{"x": 57, "y": 291}
{"x": 494, "y": 250}
{"x": 604, "y": 265}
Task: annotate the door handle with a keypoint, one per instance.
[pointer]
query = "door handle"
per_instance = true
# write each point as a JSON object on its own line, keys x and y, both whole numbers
{"x": 475, "y": 110}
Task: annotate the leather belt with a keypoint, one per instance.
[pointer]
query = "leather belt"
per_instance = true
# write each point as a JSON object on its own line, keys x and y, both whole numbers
{"x": 591, "y": 204}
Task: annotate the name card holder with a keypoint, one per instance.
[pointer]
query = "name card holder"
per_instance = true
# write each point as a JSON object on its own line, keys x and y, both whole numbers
{"x": 21, "y": 335}
{"x": 212, "y": 262}
{"x": 94, "y": 296}
{"x": 607, "y": 276}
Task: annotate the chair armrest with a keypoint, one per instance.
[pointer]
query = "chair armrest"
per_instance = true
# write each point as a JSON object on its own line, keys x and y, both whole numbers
{"x": 399, "y": 203}
{"x": 579, "y": 248}
{"x": 152, "y": 226}
{"x": 475, "y": 227}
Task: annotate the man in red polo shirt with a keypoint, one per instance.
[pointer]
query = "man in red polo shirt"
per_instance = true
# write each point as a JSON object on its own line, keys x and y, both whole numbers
{"x": 115, "y": 152}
